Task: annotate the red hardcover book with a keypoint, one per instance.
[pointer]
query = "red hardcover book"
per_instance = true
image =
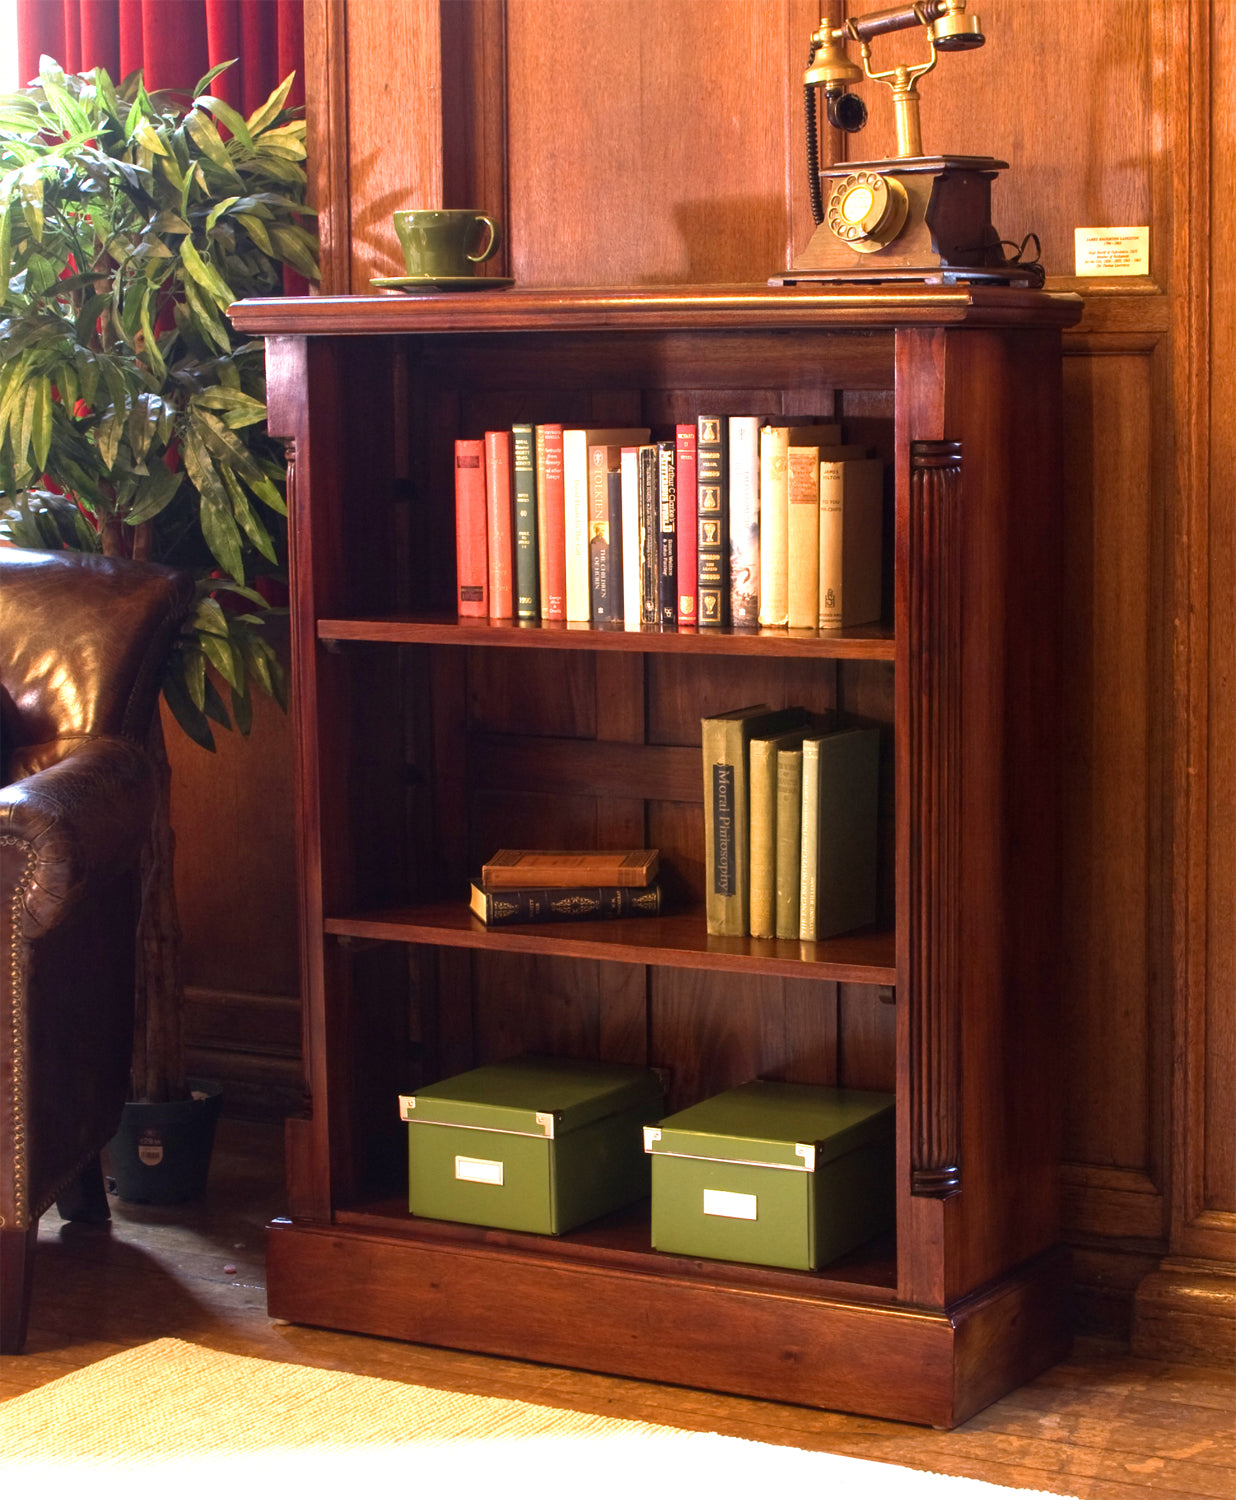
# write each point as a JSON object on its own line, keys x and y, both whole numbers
{"x": 471, "y": 527}
{"x": 501, "y": 530}
{"x": 684, "y": 442}
{"x": 551, "y": 519}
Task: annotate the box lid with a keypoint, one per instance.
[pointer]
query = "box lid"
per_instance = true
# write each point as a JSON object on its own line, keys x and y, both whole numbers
{"x": 794, "y": 1125}
{"x": 533, "y": 1096}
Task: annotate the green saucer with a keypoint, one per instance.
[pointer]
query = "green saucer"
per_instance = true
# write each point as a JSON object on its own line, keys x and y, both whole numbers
{"x": 441, "y": 283}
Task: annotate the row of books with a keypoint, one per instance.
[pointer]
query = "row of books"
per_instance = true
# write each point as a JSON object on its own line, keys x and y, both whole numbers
{"x": 737, "y": 521}
{"x": 790, "y": 809}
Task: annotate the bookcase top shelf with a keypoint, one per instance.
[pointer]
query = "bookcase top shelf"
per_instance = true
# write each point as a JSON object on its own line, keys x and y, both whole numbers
{"x": 857, "y": 643}
{"x": 727, "y": 307}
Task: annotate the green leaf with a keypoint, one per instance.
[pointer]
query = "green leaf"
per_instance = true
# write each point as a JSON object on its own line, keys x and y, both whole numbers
{"x": 154, "y": 494}
{"x": 257, "y": 233}
{"x": 209, "y": 617}
{"x": 106, "y": 91}
{"x": 242, "y": 711}
{"x": 204, "y": 83}
{"x": 205, "y": 319}
{"x": 293, "y": 245}
{"x": 239, "y": 409}
{"x": 186, "y": 712}
{"x": 214, "y": 706}
{"x": 207, "y": 139}
{"x": 219, "y": 529}
{"x": 219, "y": 653}
{"x": 267, "y": 113}
{"x": 41, "y": 432}
{"x": 227, "y": 116}
{"x": 206, "y": 276}
{"x": 249, "y": 522}
{"x": 148, "y": 137}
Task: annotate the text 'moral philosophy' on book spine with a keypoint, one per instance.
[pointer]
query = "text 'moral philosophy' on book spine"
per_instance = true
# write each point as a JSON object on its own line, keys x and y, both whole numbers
{"x": 471, "y": 526}
{"x": 725, "y": 740}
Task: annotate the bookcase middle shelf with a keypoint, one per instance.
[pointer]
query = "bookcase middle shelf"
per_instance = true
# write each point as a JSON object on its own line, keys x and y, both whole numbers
{"x": 858, "y": 643}
{"x": 679, "y": 940}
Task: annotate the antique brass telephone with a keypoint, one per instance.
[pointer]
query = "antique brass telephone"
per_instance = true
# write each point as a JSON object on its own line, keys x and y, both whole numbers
{"x": 910, "y": 217}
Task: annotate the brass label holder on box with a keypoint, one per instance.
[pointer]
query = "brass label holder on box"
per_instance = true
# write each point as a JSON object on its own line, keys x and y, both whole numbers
{"x": 910, "y": 217}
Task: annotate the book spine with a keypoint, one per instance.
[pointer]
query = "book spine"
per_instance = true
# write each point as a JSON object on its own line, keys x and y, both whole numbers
{"x": 527, "y": 562}
{"x": 803, "y": 536}
{"x": 774, "y": 526}
{"x": 667, "y": 536}
{"x": 605, "y": 534}
{"x": 631, "y": 564}
{"x": 551, "y": 520}
{"x": 575, "y": 506}
{"x": 510, "y": 869}
{"x": 846, "y": 813}
{"x": 685, "y": 482}
{"x": 850, "y": 537}
{"x": 762, "y": 804}
{"x": 471, "y": 525}
{"x": 712, "y": 543}
{"x": 788, "y": 856}
{"x": 501, "y": 536}
{"x": 725, "y": 792}
{"x": 648, "y": 600}
{"x": 809, "y": 842}
{"x": 570, "y": 904}
{"x": 744, "y": 518}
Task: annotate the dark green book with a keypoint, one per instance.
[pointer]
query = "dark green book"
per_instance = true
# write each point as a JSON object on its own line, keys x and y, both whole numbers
{"x": 527, "y": 552}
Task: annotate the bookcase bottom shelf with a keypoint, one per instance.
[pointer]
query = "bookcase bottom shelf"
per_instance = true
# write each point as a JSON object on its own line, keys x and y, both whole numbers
{"x": 847, "y": 1349}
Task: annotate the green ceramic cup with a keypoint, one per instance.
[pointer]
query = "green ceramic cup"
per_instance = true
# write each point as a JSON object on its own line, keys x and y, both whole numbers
{"x": 443, "y": 243}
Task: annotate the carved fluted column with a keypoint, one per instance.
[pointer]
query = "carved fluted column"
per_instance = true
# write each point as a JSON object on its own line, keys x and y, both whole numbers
{"x": 935, "y": 816}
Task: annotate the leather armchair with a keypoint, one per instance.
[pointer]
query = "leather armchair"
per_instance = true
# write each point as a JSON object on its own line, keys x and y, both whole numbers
{"x": 82, "y": 643}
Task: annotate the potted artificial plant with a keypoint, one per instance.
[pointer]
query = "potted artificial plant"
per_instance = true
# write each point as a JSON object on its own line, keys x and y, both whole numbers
{"x": 132, "y": 417}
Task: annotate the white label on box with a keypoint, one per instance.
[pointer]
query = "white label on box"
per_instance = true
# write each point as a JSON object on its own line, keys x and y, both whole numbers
{"x": 729, "y": 1205}
{"x": 474, "y": 1169}
{"x": 1112, "y": 252}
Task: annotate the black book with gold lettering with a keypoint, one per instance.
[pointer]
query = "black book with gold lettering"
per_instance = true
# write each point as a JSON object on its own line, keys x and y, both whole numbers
{"x": 585, "y": 903}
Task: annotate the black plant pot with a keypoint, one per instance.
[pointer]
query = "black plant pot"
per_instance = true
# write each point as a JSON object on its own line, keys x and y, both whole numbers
{"x": 161, "y": 1152}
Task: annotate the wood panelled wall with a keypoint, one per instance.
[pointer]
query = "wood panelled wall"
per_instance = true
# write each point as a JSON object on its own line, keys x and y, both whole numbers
{"x": 661, "y": 141}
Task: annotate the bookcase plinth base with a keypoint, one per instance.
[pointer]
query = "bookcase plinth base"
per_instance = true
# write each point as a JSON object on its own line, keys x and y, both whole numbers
{"x": 871, "y": 1358}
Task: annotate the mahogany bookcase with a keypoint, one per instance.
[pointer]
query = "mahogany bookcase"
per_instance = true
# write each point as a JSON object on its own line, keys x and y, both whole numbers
{"x": 424, "y": 742}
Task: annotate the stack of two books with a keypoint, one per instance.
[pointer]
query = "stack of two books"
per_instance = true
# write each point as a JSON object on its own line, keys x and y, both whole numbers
{"x": 567, "y": 885}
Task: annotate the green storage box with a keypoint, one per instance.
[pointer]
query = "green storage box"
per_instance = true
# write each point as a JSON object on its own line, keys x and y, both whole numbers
{"x": 535, "y": 1144}
{"x": 777, "y": 1174}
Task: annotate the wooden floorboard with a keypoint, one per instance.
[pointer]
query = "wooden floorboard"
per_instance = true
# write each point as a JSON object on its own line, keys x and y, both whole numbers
{"x": 1101, "y": 1425}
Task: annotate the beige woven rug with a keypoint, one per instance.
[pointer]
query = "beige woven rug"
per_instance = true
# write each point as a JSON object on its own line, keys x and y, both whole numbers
{"x": 230, "y": 1426}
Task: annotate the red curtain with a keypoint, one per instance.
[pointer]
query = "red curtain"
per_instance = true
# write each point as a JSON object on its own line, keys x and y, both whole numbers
{"x": 174, "y": 42}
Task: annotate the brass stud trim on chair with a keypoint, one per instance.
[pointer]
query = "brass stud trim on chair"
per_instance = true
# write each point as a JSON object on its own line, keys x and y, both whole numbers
{"x": 16, "y": 1023}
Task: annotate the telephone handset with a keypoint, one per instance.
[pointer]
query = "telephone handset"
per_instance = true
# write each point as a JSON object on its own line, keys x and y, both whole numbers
{"x": 910, "y": 217}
